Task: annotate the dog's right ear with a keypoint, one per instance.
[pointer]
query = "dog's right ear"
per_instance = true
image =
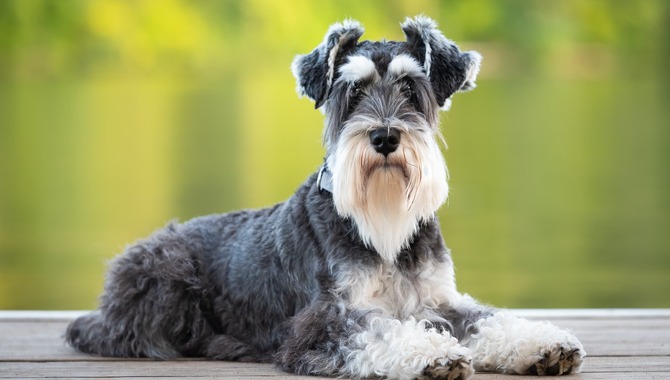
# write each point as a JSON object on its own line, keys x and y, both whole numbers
{"x": 314, "y": 71}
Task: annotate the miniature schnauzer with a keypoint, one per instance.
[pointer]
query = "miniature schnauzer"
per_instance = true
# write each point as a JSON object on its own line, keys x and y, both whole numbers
{"x": 350, "y": 276}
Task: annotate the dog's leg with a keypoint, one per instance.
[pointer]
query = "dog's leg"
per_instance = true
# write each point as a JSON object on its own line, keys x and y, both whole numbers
{"x": 329, "y": 339}
{"x": 508, "y": 344}
{"x": 407, "y": 350}
{"x": 226, "y": 347}
{"x": 153, "y": 305}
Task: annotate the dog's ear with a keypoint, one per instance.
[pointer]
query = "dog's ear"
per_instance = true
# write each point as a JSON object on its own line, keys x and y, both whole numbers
{"x": 314, "y": 71}
{"x": 448, "y": 69}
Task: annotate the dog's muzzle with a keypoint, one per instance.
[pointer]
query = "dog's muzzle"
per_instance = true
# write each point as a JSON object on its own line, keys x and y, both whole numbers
{"x": 385, "y": 140}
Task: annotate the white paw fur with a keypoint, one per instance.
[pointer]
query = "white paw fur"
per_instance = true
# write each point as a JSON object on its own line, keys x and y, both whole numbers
{"x": 508, "y": 344}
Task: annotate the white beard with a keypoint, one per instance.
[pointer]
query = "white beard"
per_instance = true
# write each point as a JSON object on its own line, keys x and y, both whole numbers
{"x": 389, "y": 197}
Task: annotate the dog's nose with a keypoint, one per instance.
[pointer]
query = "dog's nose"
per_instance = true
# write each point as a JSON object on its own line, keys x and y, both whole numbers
{"x": 385, "y": 140}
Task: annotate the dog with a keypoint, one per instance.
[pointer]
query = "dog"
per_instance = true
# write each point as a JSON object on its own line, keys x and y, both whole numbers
{"x": 350, "y": 276}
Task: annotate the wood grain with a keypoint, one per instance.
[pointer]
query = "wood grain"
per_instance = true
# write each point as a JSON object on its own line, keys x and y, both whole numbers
{"x": 620, "y": 343}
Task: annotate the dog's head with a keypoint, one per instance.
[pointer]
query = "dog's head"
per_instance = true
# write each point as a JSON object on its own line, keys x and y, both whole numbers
{"x": 381, "y": 100}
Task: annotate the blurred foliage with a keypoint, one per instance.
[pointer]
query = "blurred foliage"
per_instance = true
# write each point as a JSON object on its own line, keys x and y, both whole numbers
{"x": 44, "y": 39}
{"x": 116, "y": 116}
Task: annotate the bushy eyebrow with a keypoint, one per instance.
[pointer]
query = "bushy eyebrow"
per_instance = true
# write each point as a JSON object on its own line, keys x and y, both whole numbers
{"x": 358, "y": 68}
{"x": 405, "y": 65}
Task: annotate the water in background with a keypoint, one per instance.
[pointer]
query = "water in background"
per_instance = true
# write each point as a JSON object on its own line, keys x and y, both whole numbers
{"x": 116, "y": 117}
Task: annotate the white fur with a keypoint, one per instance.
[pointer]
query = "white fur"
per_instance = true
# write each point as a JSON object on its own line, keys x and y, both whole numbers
{"x": 447, "y": 104}
{"x": 397, "y": 343}
{"x": 331, "y": 65}
{"x": 428, "y": 58}
{"x": 388, "y": 203}
{"x": 404, "y": 64}
{"x": 404, "y": 350}
{"x": 386, "y": 290}
{"x": 473, "y": 70}
{"x": 295, "y": 70}
{"x": 357, "y": 67}
{"x": 510, "y": 344}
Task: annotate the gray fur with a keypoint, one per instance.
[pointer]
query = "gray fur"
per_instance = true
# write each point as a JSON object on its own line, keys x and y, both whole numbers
{"x": 261, "y": 285}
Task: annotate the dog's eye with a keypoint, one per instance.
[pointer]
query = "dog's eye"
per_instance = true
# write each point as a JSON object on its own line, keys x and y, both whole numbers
{"x": 408, "y": 88}
{"x": 355, "y": 90}
{"x": 409, "y": 91}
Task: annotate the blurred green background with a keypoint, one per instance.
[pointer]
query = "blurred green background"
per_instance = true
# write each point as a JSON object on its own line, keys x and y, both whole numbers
{"x": 117, "y": 116}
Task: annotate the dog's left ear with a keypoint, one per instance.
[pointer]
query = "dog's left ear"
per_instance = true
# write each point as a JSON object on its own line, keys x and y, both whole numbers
{"x": 448, "y": 69}
{"x": 314, "y": 72}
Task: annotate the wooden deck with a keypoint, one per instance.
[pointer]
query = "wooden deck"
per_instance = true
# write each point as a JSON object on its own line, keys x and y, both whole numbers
{"x": 620, "y": 343}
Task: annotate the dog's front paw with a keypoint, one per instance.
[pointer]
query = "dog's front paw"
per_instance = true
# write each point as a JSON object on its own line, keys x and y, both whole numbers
{"x": 450, "y": 369}
{"x": 509, "y": 344}
{"x": 561, "y": 359}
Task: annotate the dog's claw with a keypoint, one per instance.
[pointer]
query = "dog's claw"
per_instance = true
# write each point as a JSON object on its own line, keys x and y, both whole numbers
{"x": 459, "y": 369}
{"x": 557, "y": 363}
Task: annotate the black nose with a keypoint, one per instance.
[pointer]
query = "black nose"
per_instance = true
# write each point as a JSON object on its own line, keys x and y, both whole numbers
{"x": 385, "y": 140}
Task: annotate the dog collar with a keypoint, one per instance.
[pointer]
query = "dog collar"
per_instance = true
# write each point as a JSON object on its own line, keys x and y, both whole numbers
{"x": 324, "y": 181}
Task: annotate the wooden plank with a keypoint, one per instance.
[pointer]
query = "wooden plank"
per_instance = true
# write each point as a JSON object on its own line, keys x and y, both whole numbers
{"x": 44, "y": 340}
{"x": 581, "y": 376}
{"x": 592, "y": 313}
{"x": 584, "y": 376}
{"x": 36, "y": 341}
{"x": 599, "y": 376}
{"x": 40, "y": 315}
{"x": 620, "y": 344}
{"x": 140, "y": 368}
{"x": 185, "y": 368}
{"x": 624, "y": 364}
{"x": 624, "y": 369}
{"x": 621, "y": 337}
